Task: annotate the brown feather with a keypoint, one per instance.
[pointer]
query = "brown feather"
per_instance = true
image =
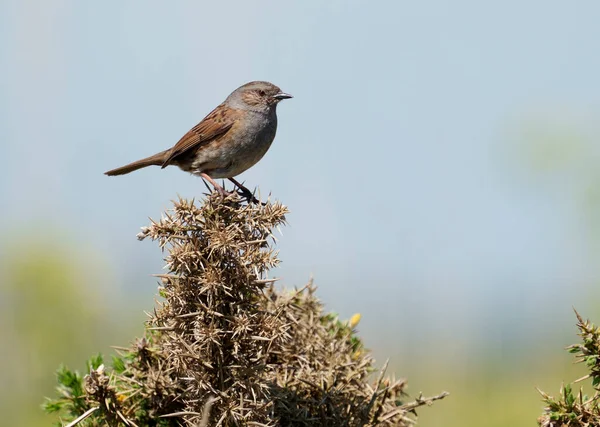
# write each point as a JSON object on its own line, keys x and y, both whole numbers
{"x": 215, "y": 124}
{"x": 155, "y": 160}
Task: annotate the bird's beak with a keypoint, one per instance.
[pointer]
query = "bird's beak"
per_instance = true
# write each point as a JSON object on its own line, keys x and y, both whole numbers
{"x": 282, "y": 95}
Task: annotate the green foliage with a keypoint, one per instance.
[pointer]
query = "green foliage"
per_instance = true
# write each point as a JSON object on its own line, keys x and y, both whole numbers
{"x": 94, "y": 362}
{"x": 225, "y": 347}
{"x": 70, "y": 388}
{"x": 574, "y": 409}
{"x": 118, "y": 364}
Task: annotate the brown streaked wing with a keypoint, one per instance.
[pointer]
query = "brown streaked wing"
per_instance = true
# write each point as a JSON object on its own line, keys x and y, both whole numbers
{"x": 215, "y": 124}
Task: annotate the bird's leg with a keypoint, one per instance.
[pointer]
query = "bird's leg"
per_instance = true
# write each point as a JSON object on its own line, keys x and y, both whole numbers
{"x": 245, "y": 192}
{"x": 220, "y": 189}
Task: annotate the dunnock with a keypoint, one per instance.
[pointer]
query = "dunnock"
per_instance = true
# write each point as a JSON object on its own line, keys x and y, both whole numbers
{"x": 231, "y": 139}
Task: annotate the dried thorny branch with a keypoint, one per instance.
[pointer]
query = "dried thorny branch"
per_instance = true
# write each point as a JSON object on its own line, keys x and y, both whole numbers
{"x": 224, "y": 347}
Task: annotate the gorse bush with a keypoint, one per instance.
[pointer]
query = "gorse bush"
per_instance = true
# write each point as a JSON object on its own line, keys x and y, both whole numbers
{"x": 576, "y": 409}
{"x": 224, "y": 347}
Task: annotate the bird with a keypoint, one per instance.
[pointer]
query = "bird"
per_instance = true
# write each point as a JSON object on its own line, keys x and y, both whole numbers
{"x": 229, "y": 140}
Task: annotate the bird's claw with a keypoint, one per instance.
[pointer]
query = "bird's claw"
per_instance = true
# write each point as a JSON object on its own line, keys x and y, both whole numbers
{"x": 249, "y": 196}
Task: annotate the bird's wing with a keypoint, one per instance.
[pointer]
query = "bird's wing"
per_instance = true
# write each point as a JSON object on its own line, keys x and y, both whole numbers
{"x": 218, "y": 122}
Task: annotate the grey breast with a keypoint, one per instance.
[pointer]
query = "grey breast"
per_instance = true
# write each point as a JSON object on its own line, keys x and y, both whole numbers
{"x": 254, "y": 141}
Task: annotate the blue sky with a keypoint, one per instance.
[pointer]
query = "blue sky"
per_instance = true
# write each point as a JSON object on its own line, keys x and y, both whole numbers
{"x": 401, "y": 156}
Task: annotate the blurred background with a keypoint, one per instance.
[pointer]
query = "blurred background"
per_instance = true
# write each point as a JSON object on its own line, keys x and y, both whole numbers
{"x": 439, "y": 160}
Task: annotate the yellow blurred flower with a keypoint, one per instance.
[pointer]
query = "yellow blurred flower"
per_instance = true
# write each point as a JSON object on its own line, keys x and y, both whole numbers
{"x": 354, "y": 320}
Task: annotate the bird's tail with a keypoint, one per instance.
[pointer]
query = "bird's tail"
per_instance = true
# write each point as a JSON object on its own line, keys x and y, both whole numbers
{"x": 155, "y": 160}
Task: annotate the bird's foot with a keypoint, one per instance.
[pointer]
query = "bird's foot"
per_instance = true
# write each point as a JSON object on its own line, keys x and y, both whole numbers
{"x": 249, "y": 196}
{"x": 244, "y": 192}
{"x": 219, "y": 189}
{"x": 222, "y": 191}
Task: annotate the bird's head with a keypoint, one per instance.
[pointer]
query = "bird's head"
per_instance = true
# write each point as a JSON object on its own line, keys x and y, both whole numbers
{"x": 259, "y": 96}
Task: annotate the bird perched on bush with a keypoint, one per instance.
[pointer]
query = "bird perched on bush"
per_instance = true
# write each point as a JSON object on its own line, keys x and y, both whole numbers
{"x": 228, "y": 141}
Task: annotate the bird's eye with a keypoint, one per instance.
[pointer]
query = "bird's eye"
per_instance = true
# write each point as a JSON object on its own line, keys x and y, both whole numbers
{"x": 261, "y": 92}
